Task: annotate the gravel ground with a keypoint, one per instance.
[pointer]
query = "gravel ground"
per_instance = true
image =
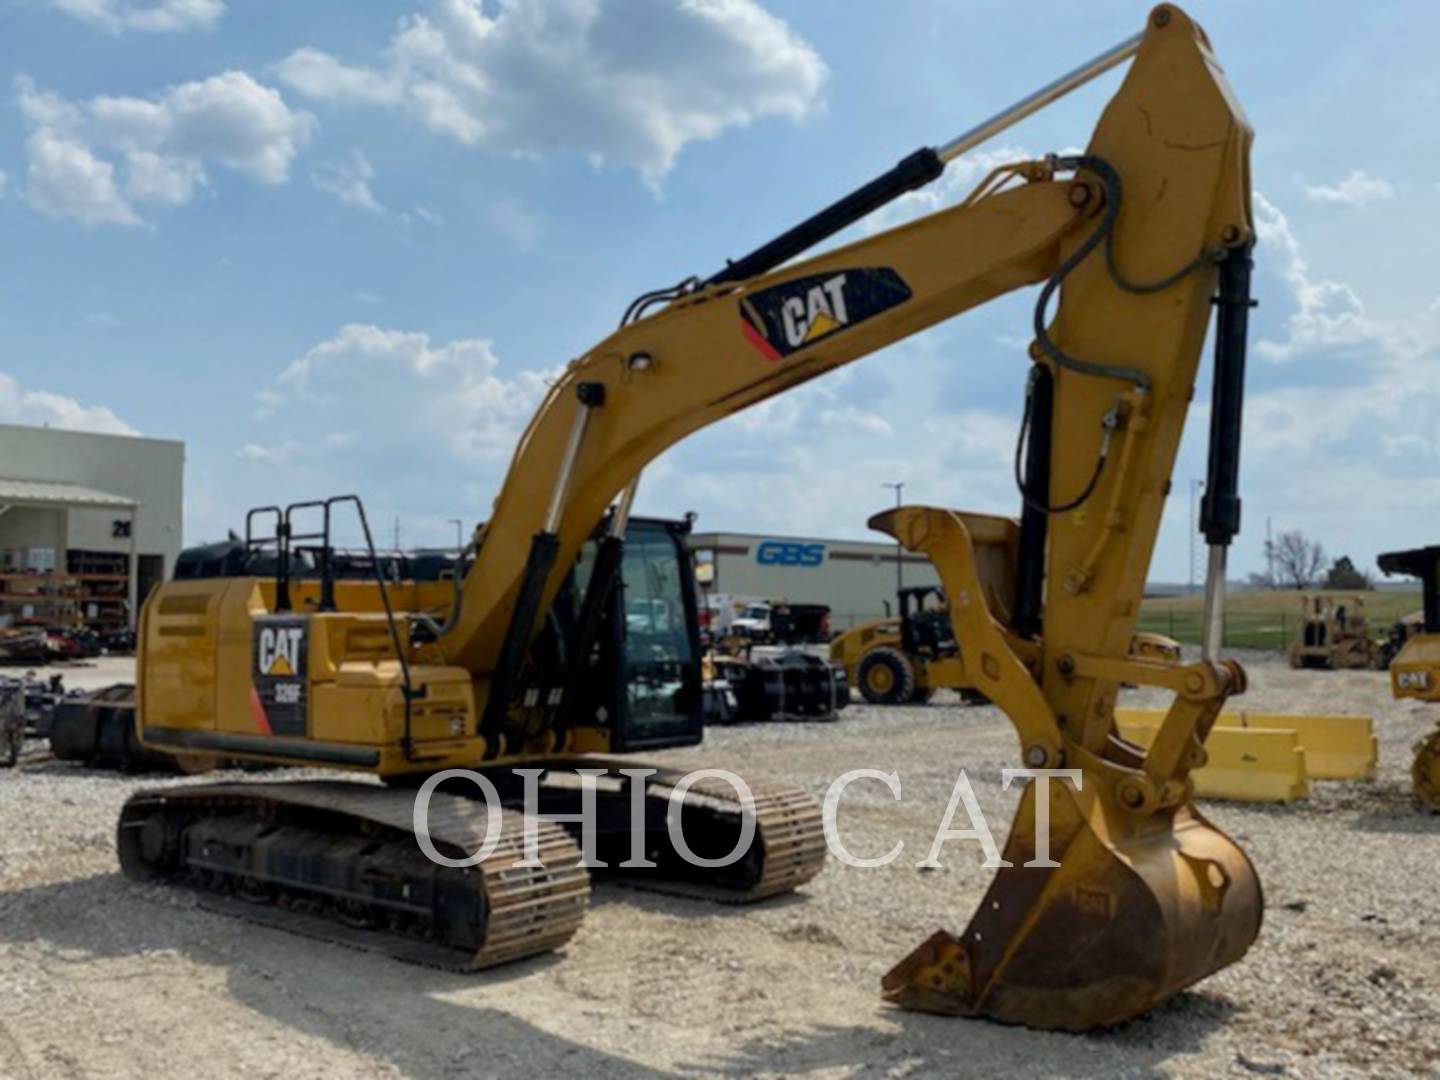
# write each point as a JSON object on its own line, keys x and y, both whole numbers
{"x": 102, "y": 977}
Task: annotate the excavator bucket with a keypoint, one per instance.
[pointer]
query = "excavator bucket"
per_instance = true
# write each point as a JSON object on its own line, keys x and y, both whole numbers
{"x": 1135, "y": 911}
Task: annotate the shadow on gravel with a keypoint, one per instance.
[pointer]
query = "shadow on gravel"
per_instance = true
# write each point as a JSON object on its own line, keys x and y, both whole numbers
{"x": 607, "y": 891}
{"x": 45, "y": 765}
{"x": 363, "y": 1002}
{"x": 75, "y": 770}
{"x": 951, "y": 1046}
{"x": 1415, "y": 821}
{"x": 1386, "y": 808}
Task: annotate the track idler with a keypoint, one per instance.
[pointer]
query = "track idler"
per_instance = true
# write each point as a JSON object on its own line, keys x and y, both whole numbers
{"x": 1138, "y": 908}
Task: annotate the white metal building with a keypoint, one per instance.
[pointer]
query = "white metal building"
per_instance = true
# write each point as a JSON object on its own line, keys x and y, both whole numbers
{"x": 88, "y": 523}
{"x": 857, "y": 578}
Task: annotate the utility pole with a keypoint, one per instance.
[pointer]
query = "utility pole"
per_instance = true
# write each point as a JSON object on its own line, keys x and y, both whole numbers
{"x": 1269, "y": 555}
{"x": 899, "y": 548}
{"x": 459, "y": 535}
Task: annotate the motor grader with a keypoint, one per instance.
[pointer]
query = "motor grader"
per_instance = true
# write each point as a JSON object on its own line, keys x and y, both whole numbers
{"x": 1133, "y": 243}
{"x": 903, "y": 660}
{"x": 1415, "y": 670}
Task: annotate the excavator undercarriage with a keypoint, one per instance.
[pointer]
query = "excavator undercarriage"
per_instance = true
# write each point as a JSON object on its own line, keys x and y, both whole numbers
{"x": 339, "y": 860}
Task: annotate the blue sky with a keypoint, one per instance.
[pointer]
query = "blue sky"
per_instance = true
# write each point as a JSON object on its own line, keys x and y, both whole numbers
{"x": 339, "y": 245}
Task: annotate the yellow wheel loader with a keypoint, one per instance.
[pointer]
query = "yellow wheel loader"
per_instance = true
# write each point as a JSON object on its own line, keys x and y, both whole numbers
{"x": 904, "y": 660}
{"x": 1415, "y": 670}
{"x": 1133, "y": 243}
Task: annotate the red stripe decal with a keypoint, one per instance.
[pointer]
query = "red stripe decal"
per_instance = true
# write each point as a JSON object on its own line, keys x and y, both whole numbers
{"x": 257, "y": 712}
{"x": 758, "y": 340}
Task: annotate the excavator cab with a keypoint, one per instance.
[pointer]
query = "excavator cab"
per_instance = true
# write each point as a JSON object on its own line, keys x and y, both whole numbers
{"x": 646, "y": 664}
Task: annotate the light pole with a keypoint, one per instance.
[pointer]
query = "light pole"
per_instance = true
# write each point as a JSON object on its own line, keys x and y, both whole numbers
{"x": 899, "y": 548}
{"x": 459, "y": 534}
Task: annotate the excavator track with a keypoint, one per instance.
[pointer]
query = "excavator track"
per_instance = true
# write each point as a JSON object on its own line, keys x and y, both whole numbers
{"x": 788, "y": 848}
{"x": 340, "y": 861}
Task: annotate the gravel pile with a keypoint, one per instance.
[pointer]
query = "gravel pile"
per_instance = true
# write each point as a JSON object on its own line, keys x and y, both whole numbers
{"x": 102, "y": 977}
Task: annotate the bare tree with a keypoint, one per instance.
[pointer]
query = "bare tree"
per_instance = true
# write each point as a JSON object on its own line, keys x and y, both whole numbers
{"x": 1297, "y": 561}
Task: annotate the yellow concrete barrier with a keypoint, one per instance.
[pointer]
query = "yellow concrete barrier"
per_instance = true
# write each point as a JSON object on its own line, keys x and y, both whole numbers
{"x": 1338, "y": 746}
{"x": 1248, "y": 764}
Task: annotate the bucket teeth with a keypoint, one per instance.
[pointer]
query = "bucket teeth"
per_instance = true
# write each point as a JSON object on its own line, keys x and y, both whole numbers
{"x": 935, "y": 978}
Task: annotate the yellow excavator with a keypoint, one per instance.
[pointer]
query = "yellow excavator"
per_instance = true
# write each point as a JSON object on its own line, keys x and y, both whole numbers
{"x": 1415, "y": 670}
{"x": 1133, "y": 242}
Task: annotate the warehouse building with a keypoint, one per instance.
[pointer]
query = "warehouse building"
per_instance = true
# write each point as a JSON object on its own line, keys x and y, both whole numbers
{"x": 856, "y": 578}
{"x": 88, "y": 524}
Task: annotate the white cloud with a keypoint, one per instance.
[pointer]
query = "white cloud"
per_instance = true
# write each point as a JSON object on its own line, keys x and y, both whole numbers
{"x": 275, "y": 455}
{"x": 349, "y": 181}
{"x": 166, "y": 181}
{"x": 100, "y": 160}
{"x": 1327, "y": 313}
{"x": 425, "y": 214}
{"x": 44, "y": 409}
{"x": 163, "y": 16}
{"x": 4, "y": 183}
{"x": 1357, "y": 189}
{"x": 798, "y": 411}
{"x": 629, "y": 83}
{"x": 366, "y": 376}
{"x": 64, "y": 179}
{"x": 521, "y": 226}
{"x": 738, "y": 477}
{"x": 266, "y": 403}
{"x": 1347, "y": 445}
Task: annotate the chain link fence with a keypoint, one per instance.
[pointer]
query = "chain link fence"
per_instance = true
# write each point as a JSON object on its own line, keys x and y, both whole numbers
{"x": 1242, "y": 629}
